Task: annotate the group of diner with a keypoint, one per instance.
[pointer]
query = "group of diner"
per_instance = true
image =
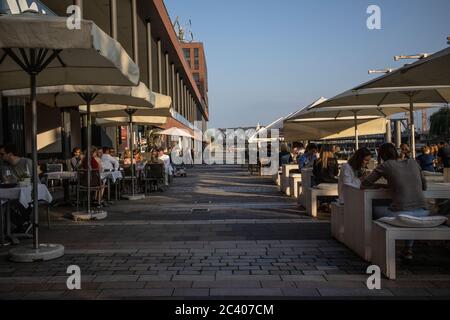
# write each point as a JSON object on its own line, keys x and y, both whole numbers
{"x": 395, "y": 166}
{"x": 15, "y": 169}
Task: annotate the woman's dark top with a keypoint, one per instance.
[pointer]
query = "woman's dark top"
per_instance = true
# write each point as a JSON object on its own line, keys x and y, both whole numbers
{"x": 285, "y": 158}
{"x": 426, "y": 162}
{"x": 328, "y": 174}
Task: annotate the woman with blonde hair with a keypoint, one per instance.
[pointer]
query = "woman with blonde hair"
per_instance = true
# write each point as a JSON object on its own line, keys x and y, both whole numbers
{"x": 326, "y": 168}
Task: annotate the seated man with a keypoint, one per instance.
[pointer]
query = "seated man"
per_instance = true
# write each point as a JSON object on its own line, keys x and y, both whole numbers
{"x": 18, "y": 169}
{"x": 407, "y": 183}
{"x": 109, "y": 163}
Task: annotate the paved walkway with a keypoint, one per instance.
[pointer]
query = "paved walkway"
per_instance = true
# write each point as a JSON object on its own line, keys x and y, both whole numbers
{"x": 216, "y": 233}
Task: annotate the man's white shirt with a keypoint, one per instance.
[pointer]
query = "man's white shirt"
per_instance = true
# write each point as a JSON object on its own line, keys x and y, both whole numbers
{"x": 110, "y": 163}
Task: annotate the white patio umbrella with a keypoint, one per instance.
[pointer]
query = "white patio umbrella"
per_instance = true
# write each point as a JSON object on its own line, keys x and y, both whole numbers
{"x": 154, "y": 101}
{"x": 326, "y": 128}
{"x": 355, "y": 112}
{"x": 424, "y": 81}
{"x": 175, "y": 132}
{"x": 74, "y": 95}
{"x": 40, "y": 50}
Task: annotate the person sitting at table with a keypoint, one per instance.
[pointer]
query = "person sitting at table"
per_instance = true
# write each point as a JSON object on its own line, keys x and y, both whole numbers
{"x": 108, "y": 162}
{"x": 137, "y": 158}
{"x": 426, "y": 159}
{"x": 326, "y": 168}
{"x": 443, "y": 154}
{"x": 284, "y": 155}
{"x": 405, "y": 152}
{"x": 405, "y": 179}
{"x": 127, "y": 158}
{"x": 113, "y": 154}
{"x": 353, "y": 172}
{"x": 96, "y": 165}
{"x": 17, "y": 168}
{"x": 77, "y": 158}
{"x": 306, "y": 160}
{"x": 20, "y": 167}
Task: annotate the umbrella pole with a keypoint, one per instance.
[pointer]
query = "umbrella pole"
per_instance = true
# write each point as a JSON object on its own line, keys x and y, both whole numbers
{"x": 130, "y": 124}
{"x": 412, "y": 126}
{"x": 88, "y": 150}
{"x": 35, "y": 160}
{"x": 355, "y": 115}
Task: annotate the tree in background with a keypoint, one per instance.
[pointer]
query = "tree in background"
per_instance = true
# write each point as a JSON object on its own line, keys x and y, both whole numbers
{"x": 440, "y": 123}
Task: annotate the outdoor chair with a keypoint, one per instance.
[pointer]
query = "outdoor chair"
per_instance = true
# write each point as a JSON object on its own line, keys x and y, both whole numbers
{"x": 128, "y": 178}
{"x": 154, "y": 175}
{"x": 96, "y": 184}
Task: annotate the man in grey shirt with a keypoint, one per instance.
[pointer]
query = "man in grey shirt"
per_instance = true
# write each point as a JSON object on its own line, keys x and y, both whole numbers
{"x": 407, "y": 183}
{"x": 19, "y": 167}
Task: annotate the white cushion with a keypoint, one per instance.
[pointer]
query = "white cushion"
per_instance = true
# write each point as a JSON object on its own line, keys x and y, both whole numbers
{"x": 407, "y": 221}
{"x": 326, "y": 186}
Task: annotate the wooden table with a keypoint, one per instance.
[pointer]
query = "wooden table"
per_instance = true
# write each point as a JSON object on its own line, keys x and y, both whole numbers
{"x": 358, "y": 213}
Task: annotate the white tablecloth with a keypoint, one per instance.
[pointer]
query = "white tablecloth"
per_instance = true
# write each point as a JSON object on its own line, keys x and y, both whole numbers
{"x": 113, "y": 175}
{"x": 61, "y": 175}
{"x": 24, "y": 195}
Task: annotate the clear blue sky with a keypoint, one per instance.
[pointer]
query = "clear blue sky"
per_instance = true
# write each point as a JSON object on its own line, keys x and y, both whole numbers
{"x": 268, "y": 58}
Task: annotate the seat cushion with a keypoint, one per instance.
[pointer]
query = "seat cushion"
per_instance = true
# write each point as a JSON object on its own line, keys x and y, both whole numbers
{"x": 407, "y": 221}
{"x": 326, "y": 186}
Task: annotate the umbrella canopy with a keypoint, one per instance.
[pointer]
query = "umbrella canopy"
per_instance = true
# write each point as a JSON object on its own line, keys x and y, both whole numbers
{"x": 325, "y": 129}
{"x": 85, "y": 56}
{"x": 71, "y": 95}
{"x": 39, "y": 50}
{"x": 176, "y": 132}
{"x": 424, "y": 81}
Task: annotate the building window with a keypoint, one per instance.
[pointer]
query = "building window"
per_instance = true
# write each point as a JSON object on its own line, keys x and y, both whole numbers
{"x": 196, "y": 52}
{"x": 196, "y": 76}
{"x": 189, "y": 62}
{"x": 187, "y": 53}
{"x": 196, "y": 64}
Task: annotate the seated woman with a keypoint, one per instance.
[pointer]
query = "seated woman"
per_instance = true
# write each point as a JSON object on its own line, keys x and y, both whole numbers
{"x": 127, "y": 158}
{"x": 285, "y": 156}
{"x": 96, "y": 165}
{"x": 326, "y": 168}
{"x": 405, "y": 179}
{"x": 426, "y": 159}
{"x": 353, "y": 171}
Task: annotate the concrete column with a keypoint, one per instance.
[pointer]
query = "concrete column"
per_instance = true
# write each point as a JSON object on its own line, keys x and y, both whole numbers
{"x": 178, "y": 93}
{"x": 388, "y": 136}
{"x": 113, "y": 18}
{"x": 174, "y": 102}
{"x": 160, "y": 84}
{"x": 398, "y": 133}
{"x": 134, "y": 31}
{"x": 182, "y": 97}
{"x": 167, "y": 75}
{"x": 149, "y": 56}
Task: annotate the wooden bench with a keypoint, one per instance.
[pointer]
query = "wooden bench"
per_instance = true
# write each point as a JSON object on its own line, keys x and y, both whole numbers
{"x": 337, "y": 221}
{"x": 322, "y": 190}
{"x": 384, "y": 237}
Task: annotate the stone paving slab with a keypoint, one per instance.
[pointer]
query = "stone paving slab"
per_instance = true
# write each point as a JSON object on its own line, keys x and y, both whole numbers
{"x": 256, "y": 245}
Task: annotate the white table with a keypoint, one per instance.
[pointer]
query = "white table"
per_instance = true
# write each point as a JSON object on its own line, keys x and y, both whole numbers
{"x": 295, "y": 183}
{"x": 358, "y": 213}
{"x": 284, "y": 179}
{"x": 24, "y": 196}
{"x": 62, "y": 175}
{"x": 307, "y": 174}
